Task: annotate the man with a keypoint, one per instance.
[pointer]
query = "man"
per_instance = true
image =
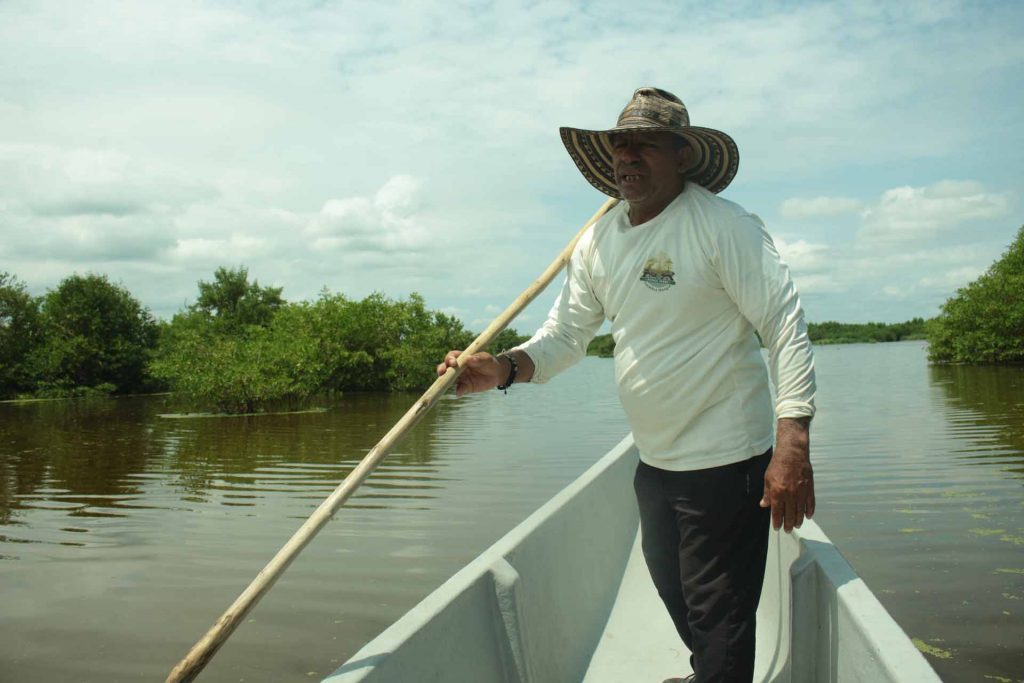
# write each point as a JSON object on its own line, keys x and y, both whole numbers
{"x": 686, "y": 278}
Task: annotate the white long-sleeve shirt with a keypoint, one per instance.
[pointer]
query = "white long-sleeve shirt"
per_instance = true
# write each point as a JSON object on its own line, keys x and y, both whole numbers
{"x": 684, "y": 293}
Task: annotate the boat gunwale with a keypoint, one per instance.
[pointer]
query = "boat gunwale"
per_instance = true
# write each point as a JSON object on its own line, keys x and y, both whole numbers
{"x": 491, "y": 560}
{"x": 807, "y": 629}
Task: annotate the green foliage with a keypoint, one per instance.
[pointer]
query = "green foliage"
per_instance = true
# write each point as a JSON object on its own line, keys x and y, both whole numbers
{"x": 94, "y": 334}
{"x": 19, "y": 335}
{"x": 506, "y": 339}
{"x": 602, "y": 345}
{"x": 832, "y": 332}
{"x": 230, "y": 373}
{"x": 401, "y": 341}
{"x": 301, "y": 349}
{"x": 984, "y": 322}
{"x": 239, "y": 348}
{"x": 234, "y": 302}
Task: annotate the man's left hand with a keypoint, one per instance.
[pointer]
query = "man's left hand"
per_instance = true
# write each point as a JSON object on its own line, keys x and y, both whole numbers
{"x": 789, "y": 479}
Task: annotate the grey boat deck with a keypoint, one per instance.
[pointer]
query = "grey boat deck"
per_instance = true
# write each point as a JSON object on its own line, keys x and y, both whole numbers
{"x": 639, "y": 642}
{"x": 565, "y": 597}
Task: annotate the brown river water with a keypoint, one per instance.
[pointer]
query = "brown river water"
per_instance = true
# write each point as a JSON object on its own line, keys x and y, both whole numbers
{"x": 124, "y": 534}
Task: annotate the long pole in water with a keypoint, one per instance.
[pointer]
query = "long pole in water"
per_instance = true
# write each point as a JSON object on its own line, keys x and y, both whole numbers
{"x": 204, "y": 650}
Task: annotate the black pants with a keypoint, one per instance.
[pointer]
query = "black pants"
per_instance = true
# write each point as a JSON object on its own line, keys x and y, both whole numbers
{"x": 705, "y": 539}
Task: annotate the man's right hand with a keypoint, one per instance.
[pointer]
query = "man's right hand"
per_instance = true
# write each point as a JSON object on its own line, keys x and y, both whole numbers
{"x": 480, "y": 372}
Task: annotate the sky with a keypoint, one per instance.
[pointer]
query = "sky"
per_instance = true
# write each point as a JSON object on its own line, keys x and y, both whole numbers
{"x": 413, "y": 146}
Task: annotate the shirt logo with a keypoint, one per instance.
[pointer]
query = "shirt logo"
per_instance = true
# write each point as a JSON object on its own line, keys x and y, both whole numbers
{"x": 658, "y": 273}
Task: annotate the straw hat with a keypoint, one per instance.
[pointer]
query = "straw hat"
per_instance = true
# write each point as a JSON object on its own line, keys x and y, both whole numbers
{"x": 650, "y": 110}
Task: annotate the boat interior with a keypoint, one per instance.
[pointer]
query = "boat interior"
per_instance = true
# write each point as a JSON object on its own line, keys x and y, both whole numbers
{"x": 565, "y": 596}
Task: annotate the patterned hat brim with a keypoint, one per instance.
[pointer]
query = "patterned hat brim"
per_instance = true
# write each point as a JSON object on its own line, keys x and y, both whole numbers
{"x": 715, "y": 165}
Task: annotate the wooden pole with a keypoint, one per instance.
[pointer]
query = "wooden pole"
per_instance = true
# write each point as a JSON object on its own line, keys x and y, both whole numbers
{"x": 204, "y": 650}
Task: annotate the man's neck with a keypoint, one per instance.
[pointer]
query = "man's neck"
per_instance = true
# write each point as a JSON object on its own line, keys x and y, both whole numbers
{"x": 640, "y": 213}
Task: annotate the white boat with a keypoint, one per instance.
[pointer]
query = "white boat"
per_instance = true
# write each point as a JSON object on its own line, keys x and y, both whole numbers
{"x": 565, "y": 596}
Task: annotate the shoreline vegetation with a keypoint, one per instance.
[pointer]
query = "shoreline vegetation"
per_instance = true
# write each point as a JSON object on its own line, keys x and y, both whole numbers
{"x": 241, "y": 348}
{"x": 830, "y": 332}
{"x": 984, "y": 322}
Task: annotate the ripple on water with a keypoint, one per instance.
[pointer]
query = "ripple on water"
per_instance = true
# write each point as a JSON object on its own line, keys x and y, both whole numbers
{"x": 917, "y": 477}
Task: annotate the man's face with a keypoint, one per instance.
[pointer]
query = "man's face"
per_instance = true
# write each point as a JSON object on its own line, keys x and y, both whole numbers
{"x": 648, "y": 168}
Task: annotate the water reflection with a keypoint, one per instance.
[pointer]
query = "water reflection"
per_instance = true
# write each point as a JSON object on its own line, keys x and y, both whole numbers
{"x": 987, "y": 397}
{"x": 917, "y": 470}
{"x": 93, "y": 458}
{"x": 124, "y": 534}
{"x": 72, "y": 455}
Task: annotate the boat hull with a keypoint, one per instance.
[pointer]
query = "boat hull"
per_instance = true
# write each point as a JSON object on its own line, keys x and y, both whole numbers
{"x": 565, "y": 597}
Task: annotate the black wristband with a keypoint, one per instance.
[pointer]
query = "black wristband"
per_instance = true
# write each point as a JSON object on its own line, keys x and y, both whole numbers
{"x": 513, "y": 368}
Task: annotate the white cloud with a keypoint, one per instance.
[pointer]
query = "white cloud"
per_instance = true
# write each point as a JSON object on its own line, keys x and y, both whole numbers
{"x": 820, "y": 283}
{"x": 895, "y": 292}
{"x": 940, "y": 285}
{"x": 85, "y": 239}
{"x": 803, "y": 256}
{"x": 214, "y": 252}
{"x": 915, "y": 214}
{"x": 951, "y": 279}
{"x": 85, "y": 206}
{"x": 47, "y": 180}
{"x": 196, "y": 133}
{"x": 385, "y": 223}
{"x": 897, "y": 260}
{"x": 816, "y": 268}
{"x": 819, "y": 207}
